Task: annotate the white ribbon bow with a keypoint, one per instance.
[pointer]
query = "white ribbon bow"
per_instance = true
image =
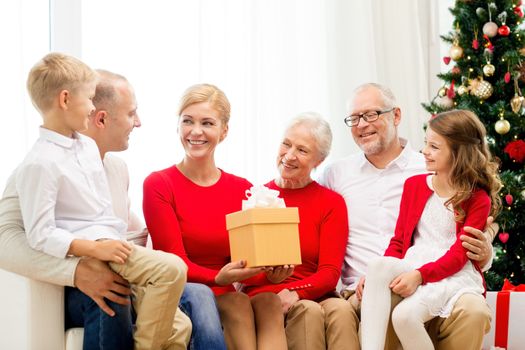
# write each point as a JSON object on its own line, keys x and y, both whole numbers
{"x": 262, "y": 197}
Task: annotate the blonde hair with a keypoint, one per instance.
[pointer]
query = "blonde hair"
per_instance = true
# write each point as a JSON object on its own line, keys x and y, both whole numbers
{"x": 472, "y": 164}
{"x": 207, "y": 93}
{"x": 53, "y": 73}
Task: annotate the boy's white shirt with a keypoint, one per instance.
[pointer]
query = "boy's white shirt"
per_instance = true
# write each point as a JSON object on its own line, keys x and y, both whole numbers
{"x": 64, "y": 194}
{"x": 17, "y": 256}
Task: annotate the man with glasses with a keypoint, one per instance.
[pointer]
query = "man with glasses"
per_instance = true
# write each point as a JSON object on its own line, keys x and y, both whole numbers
{"x": 371, "y": 183}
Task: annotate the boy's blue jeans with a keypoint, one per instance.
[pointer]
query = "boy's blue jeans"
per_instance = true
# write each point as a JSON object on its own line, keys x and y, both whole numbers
{"x": 198, "y": 302}
{"x": 101, "y": 331}
{"x": 104, "y": 332}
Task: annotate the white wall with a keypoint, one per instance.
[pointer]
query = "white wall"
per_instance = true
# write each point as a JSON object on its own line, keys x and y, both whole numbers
{"x": 273, "y": 58}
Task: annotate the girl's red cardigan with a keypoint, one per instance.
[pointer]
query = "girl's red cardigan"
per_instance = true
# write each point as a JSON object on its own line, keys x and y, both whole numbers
{"x": 415, "y": 194}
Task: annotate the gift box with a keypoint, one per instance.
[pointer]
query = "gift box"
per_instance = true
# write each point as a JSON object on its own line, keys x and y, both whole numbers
{"x": 265, "y": 236}
{"x": 508, "y": 316}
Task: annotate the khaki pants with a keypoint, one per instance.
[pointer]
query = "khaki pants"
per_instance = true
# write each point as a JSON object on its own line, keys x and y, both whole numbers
{"x": 158, "y": 280}
{"x": 321, "y": 325}
{"x": 463, "y": 329}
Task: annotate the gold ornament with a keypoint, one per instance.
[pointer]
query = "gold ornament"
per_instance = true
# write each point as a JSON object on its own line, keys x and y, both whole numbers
{"x": 483, "y": 90}
{"x": 502, "y": 126}
{"x": 516, "y": 103}
{"x": 462, "y": 90}
{"x": 442, "y": 92}
{"x": 456, "y": 52}
{"x": 489, "y": 70}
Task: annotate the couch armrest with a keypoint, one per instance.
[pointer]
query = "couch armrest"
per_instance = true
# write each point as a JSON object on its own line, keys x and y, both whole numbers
{"x": 32, "y": 315}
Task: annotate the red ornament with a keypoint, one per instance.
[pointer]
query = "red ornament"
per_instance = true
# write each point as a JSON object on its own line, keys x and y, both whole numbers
{"x": 509, "y": 199}
{"x": 475, "y": 44}
{"x": 518, "y": 11}
{"x": 507, "y": 77}
{"x": 504, "y": 30}
{"x": 450, "y": 91}
{"x": 455, "y": 70}
{"x": 503, "y": 237}
{"x": 488, "y": 44}
{"x": 516, "y": 150}
{"x": 446, "y": 59}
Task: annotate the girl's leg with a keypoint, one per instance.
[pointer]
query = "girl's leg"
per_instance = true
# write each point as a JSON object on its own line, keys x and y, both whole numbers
{"x": 375, "y": 306}
{"x": 408, "y": 319}
{"x": 237, "y": 320}
{"x": 269, "y": 321}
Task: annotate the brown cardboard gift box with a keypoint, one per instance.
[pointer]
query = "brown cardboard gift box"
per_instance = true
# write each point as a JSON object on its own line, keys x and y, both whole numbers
{"x": 265, "y": 236}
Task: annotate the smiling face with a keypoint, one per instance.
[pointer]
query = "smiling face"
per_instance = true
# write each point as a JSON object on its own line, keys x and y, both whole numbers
{"x": 122, "y": 117}
{"x": 298, "y": 154}
{"x": 79, "y": 102}
{"x": 437, "y": 152}
{"x": 374, "y": 138}
{"x": 201, "y": 130}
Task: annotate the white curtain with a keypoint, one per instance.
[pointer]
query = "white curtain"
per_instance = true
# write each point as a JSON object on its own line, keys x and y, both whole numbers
{"x": 273, "y": 58}
{"x": 24, "y": 36}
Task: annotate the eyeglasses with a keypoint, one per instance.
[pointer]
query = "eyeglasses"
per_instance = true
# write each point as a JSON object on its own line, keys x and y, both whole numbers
{"x": 369, "y": 117}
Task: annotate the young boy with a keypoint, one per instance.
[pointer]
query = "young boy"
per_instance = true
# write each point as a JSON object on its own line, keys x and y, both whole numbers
{"x": 66, "y": 203}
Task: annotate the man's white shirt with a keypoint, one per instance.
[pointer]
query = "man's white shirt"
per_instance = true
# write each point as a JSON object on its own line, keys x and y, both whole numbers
{"x": 372, "y": 198}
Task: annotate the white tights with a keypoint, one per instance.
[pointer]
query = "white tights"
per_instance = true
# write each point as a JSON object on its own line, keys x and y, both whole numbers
{"x": 408, "y": 317}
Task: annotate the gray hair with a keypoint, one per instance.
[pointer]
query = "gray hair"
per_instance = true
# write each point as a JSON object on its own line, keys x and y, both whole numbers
{"x": 319, "y": 129}
{"x": 389, "y": 100}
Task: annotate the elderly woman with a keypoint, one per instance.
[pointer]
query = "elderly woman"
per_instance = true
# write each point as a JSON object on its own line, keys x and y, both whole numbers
{"x": 323, "y": 232}
{"x": 185, "y": 207}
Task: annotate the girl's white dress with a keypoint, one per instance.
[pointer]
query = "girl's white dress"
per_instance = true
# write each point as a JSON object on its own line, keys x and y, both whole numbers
{"x": 435, "y": 234}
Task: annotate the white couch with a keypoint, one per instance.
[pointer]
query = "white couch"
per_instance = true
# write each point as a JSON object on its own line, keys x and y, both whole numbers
{"x": 32, "y": 316}
{"x": 32, "y": 312}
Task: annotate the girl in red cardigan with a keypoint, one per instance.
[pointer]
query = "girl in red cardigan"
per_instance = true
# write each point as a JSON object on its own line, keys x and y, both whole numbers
{"x": 425, "y": 262}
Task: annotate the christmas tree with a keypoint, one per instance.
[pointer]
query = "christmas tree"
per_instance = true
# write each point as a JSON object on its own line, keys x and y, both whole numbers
{"x": 487, "y": 75}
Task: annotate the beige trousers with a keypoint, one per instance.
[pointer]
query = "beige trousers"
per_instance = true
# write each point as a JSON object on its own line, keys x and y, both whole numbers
{"x": 320, "y": 325}
{"x": 463, "y": 329}
{"x": 158, "y": 280}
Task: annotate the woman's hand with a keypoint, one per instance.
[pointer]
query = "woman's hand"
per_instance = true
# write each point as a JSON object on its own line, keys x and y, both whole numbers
{"x": 236, "y": 272}
{"x": 287, "y": 299}
{"x": 278, "y": 274}
{"x": 480, "y": 246}
{"x": 406, "y": 283}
